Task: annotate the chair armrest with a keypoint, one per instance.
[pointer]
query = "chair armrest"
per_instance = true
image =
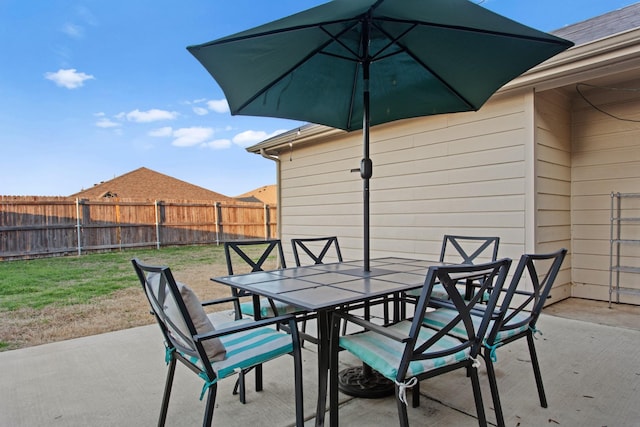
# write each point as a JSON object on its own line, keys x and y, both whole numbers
{"x": 373, "y": 327}
{"x": 520, "y": 292}
{"x": 245, "y": 326}
{"x": 219, "y": 301}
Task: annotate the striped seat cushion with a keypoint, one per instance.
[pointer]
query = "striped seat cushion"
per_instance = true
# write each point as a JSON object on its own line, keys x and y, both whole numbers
{"x": 249, "y": 348}
{"x": 384, "y": 354}
{"x": 266, "y": 310}
{"x": 437, "y": 319}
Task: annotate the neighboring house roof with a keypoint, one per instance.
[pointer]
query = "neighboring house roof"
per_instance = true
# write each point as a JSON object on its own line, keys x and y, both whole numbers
{"x": 267, "y": 195}
{"x": 614, "y": 22}
{"x": 145, "y": 183}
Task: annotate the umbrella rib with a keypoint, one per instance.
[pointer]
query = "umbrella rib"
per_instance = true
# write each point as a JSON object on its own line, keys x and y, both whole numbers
{"x": 475, "y": 30}
{"x": 395, "y": 40}
{"x": 336, "y": 39}
{"x": 333, "y": 38}
{"x": 232, "y": 39}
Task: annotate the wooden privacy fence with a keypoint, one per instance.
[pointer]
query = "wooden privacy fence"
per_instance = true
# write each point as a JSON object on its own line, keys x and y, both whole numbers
{"x": 37, "y": 226}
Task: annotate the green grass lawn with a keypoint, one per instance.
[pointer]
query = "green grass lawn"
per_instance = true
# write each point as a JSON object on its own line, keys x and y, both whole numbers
{"x": 69, "y": 280}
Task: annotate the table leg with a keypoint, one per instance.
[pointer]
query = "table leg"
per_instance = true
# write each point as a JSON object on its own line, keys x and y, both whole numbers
{"x": 323, "y": 365}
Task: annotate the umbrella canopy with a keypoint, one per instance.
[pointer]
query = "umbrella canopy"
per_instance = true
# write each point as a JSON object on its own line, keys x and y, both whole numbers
{"x": 351, "y": 64}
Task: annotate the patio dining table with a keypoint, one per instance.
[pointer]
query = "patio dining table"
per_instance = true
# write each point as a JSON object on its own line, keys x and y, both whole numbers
{"x": 324, "y": 288}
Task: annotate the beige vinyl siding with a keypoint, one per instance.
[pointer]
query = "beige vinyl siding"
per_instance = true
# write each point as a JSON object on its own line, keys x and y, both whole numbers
{"x": 459, "y": 174}
{"x": 606, "y": 158}
{"x": 553, "y": 182}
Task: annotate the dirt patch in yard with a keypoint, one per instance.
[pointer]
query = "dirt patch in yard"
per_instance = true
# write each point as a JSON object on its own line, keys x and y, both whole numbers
{"x": 123, "y": 309}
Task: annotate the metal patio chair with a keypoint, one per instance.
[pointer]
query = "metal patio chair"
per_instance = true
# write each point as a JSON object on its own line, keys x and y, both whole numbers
{"x": 467, "y": 250}
{"x": 252, "y": 256}
{"x": 213, "y": 353}
{"x": 519, "y": 312}
{"x": 313, "y": 250}
{"x": 407, "y": 352}
{"x": 248, "y": 256}
{"x": 460, "y": 250}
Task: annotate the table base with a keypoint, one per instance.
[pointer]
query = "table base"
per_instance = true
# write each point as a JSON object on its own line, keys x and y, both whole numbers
{"x": 367, "y": 383}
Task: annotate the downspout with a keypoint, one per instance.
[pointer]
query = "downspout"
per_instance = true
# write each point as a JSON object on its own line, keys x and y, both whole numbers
{"x": 264, "y": 154}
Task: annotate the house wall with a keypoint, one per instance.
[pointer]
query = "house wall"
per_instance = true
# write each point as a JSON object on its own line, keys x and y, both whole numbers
{"x": 462, "y": 173}
{"x": 605, "y": 159}
{"x": 552, "y": 192}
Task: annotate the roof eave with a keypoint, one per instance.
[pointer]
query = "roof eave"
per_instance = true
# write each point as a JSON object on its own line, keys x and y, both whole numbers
{"x": 300, "y": 135}
{"x": 609, "y": 55}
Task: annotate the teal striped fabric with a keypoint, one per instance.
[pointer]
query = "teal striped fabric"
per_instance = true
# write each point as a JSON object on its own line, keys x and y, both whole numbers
{"x": 266, "y": 310}
{"x": 437, "y": 319}
{"x": 249, "y": 348}
{"x": 384, "y": 354}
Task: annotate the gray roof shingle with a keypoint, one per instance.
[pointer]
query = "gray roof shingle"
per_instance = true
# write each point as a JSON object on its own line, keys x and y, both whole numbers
{"x": 608, "y": 24}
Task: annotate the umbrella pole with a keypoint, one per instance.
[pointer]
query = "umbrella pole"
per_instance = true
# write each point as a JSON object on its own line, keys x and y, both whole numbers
{"x": 366, "y": 173}
{"x": 366, "y": 167}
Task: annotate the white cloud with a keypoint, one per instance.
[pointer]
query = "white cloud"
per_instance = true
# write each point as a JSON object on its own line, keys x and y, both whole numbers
{"x": 69, "y": 78}
{"x": 200, "y": 111}
{"x": 152, "y": 115}
{"x": 86, "y": 15}
{"x": 188, "y": 137}
{"x": 162, "y": 132}
{"x": 218, "y": 144}
{"x": 218, "y": 105}
{"x": 251, "y": 137}
{"x": 107, "y": 123}
{"x": 72, "y": 30}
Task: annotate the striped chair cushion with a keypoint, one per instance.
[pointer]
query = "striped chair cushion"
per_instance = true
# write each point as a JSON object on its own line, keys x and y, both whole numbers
{"x": 437, "y": 319}
{"x": 266, "y": 310}
{"x": 249, "y": 348}
{"x": 384, "y": 354}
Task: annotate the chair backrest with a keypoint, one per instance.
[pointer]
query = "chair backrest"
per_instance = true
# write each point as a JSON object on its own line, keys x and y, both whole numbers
{"x": 542, "y": 270}
{"x": 493, "y": 275}
{"x": 179, "y": 314}
{"x": 248, "y": 256}
{"x": 312, "y": 250}
{"x": 469, "y": 249}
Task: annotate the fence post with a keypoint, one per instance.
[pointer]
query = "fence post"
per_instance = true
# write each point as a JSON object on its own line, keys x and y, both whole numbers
{"x": 218, "y": 222}
{"x": 78, "y": 226}
{"x": 118, "y": 225}
{"x": 215, "y": 220}
{"x": 157, "y": 208}
{"x": 267, "y": 233}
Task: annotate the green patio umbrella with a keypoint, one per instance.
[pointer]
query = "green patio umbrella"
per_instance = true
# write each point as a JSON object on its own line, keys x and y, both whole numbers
{"x": 352, "y": 64}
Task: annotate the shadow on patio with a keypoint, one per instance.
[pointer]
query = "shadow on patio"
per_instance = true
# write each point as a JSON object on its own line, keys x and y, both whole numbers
{"x": 591, "y": 371}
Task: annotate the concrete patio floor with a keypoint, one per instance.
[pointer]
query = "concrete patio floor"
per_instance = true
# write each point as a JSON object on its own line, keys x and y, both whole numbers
{"x": 588, "y": 354}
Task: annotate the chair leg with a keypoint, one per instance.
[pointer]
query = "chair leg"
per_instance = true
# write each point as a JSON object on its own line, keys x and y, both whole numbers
{"x": 298, "y": 386}
{"x": 167, "y": 392}
{"x": 304, "y": 332}
{"x": 211, "y": 403}
{"x": 495, "y": 396}
{"x": 536, "y": 370}
{"x": 333, "y": 372}
{"x": 415, "y": 395}
{"x": 258, "y": 370}
{"x": 477, "y": 396}
{"x": 402, "y": 410}
{"x": 240, "y": 387}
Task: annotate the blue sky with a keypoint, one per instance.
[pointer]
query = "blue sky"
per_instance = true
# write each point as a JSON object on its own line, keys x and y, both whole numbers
{"x": 93, "y": 89}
